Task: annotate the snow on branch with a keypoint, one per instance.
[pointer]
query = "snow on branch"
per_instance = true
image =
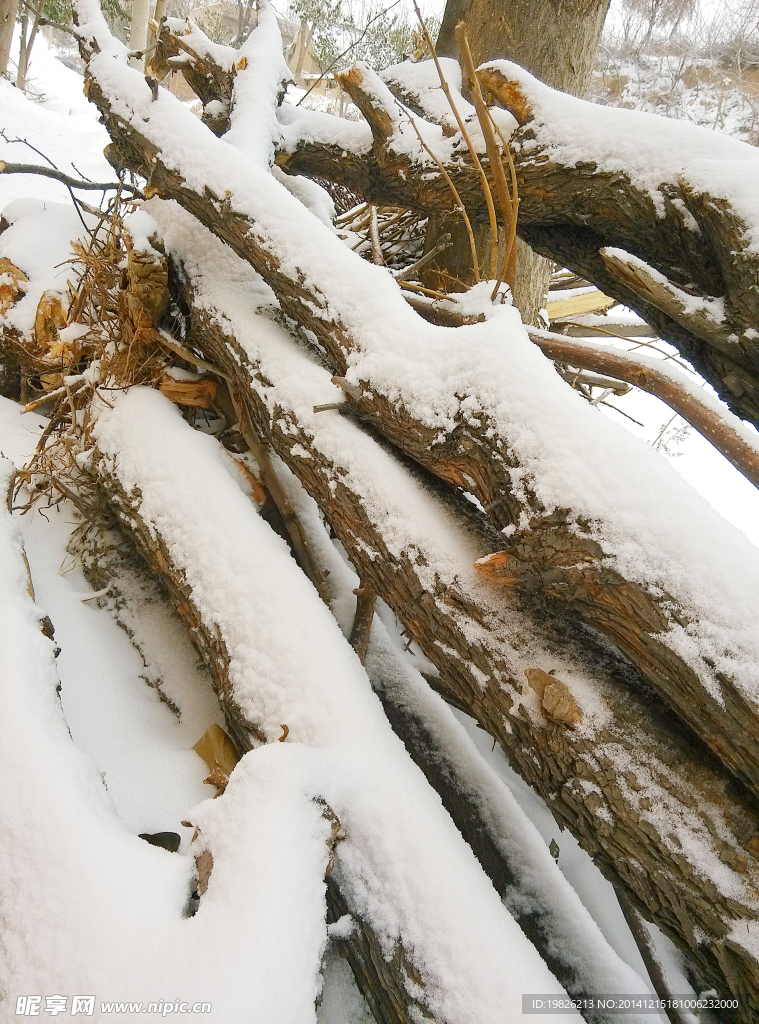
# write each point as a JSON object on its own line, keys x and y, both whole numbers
{"x": 463, "y": 404}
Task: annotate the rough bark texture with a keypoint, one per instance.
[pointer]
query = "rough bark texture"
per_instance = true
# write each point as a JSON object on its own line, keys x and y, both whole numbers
{"x": 604, "y": 804}
{"x": 555, "y": 41}
{"x": 542, "y": 559}
{"x": 208, "y": 81}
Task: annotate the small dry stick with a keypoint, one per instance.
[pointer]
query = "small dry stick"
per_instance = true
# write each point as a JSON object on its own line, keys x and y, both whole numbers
{"x": 456, "y": 198}
{"x": 494, "y": 156}
{"x": 377, "y": 256}
{"x": 425, "y": 291}
{"x": 442, "y": 245}
{"x": 515, "y": 207}
{"x": 472, "y": 151}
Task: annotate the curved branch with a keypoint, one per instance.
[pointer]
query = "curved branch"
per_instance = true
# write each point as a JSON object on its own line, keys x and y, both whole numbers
{"x": 67, "y": 180}
{"x": 731, "y": 439}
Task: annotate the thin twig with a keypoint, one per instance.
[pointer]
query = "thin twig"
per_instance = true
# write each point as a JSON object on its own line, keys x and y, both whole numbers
{"x": 377, "y": 256}
{"x": 443, "y": 244}
{"x": 472, "y": 151}
{"x": 496, "y": 163}
{"x": 457, "y": 198}
{"x": 65, "y": 179}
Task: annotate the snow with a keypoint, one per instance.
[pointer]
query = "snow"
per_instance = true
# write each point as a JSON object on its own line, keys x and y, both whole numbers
{"x": 289, "y": 664}
{"x": 84, "y": 830}
{"x": 88, "y": 907}
{"x": 564, "y": 455}
{"x": 649, "y": 149}
{"x": 64, "y": 125}
{"x": 196, "y": 39}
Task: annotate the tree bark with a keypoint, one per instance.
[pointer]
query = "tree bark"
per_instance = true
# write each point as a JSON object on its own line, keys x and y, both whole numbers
{"x": 8, "y": 10}
{"x": 582, "y": 780}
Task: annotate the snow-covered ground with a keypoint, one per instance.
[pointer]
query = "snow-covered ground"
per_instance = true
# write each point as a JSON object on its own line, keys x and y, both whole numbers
{"x": 139, "y": 745}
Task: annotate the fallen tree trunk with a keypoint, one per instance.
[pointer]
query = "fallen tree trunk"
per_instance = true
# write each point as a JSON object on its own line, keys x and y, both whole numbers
{"x": 473, "y": 452}
{"x": 507, "y": 845}
{"x": 588, "y": 776}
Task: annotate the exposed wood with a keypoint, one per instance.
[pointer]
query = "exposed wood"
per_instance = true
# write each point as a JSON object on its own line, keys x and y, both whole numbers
{"x": 366, "y": 599}
{"x": 210, "y": 82}
{"x": 198, "y": 394}
{"x": 586, "y": 302}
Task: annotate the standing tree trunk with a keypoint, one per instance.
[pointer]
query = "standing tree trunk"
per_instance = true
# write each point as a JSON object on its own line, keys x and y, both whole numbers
{"x": 555, "y": 40}
{"x": 138, "y": 34}
{"x": 8, "y": 10}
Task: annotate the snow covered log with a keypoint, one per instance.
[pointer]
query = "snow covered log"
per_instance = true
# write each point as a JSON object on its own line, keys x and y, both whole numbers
{"x": 686, "y": 230}
{"x": 622, "y": 776}
{"x": 432, "y": 934}
{"x": 561, "y": 558}
{"x": 660, "y": 214}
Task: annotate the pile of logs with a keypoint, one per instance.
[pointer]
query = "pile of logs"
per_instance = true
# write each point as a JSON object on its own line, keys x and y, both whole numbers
{"x": 531, "y": 629}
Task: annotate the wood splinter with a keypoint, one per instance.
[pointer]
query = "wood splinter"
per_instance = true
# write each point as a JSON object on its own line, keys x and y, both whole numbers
{"x": 366, "y": 600}
{"x": 555, "y": 697}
